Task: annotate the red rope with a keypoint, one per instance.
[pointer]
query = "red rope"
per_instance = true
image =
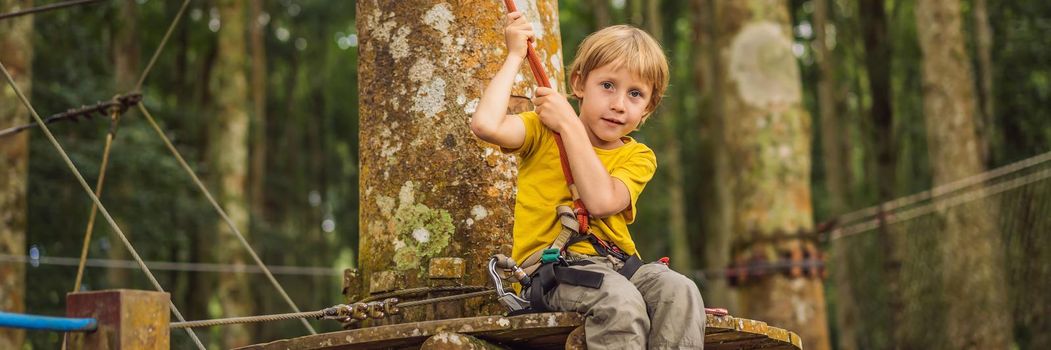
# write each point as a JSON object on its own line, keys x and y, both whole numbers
{"x": 541, "y": 79}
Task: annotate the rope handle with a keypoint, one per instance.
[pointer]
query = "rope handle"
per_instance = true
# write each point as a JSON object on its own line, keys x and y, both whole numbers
{"x": 541, "y": 79}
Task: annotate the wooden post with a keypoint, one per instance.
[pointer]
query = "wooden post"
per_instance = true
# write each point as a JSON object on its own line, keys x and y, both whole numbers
{"x": 127, "y": 319}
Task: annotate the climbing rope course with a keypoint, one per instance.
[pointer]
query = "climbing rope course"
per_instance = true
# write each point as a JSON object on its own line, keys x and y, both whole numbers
{"x": 115, "y": 109}
{"x": 381, "y": 305}
{"x": 94, "y": 199}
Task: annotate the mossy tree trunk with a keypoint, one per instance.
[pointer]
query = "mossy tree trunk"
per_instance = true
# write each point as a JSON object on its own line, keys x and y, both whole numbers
{"x": 16, "y": 52}
{"x": 429, "y": 188}
{"x": 228, "y": 164}
{"x": 767, "y": 133}
{"x": 969, "y": 289}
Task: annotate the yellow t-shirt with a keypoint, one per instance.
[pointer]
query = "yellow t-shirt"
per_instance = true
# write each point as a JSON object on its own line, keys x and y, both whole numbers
{"x": 542, "y": 187}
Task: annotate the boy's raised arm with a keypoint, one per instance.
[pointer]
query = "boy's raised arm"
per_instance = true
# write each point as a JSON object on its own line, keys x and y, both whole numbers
{"x": 490, "y": 122}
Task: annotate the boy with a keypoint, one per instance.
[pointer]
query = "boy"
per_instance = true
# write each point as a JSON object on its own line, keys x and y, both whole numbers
{"x": 618, "y": 76}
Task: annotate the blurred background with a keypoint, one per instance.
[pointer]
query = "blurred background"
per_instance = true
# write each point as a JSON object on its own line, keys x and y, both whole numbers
{"x": 922, "y": 128}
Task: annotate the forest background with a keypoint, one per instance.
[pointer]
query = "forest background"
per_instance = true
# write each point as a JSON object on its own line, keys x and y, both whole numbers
{"x": 860, "y": 65}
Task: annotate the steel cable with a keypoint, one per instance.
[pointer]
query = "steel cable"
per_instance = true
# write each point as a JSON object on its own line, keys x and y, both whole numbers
{"x": 94, "y": 199}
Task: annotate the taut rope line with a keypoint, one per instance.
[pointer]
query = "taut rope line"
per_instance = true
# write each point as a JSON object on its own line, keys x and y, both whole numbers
{"x": 94, "y": 199}
{"x": 115, "y": 120}
{"x": 325, "y": 313}
{"x": 164, "y": 41}
{"x": 46, "y": 8}
{"x": 222, "y": 213}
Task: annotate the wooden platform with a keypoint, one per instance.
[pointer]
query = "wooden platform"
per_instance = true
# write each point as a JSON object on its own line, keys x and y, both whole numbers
{"x": 533, "y": 331}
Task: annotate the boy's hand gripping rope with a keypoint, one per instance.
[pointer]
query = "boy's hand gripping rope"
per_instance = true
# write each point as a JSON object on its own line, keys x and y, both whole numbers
{"x": 541, "y": 79}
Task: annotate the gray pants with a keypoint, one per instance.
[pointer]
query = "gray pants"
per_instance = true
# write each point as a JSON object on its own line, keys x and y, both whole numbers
{"x": 657, "y": 309}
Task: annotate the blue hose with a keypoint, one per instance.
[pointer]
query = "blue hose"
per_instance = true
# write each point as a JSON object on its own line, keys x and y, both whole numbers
{"x": 47, "y": 323}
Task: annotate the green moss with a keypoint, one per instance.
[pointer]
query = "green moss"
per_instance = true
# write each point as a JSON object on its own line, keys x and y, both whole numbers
{"x": 425, "y": 232}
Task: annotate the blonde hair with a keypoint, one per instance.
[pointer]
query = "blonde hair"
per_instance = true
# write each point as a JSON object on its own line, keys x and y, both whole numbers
{"x": 626, "y": 47}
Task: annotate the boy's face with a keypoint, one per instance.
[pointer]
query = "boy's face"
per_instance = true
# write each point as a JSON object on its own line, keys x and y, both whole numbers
{"x": 612, "y": 103}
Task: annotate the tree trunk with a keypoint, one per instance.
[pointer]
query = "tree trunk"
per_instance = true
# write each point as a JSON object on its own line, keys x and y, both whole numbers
{"x": 602, "y": 13}
{"x": 970, "y": 287}
{"x": 877, "y": 62}
{"x": 258, "y": 124}
{"x": 228, "y": 162}
{"x": 767, "y": 134}
{"x": 430, "y": 189}
{"x": 884, "y": 312}
{"x": 635, "y": 12}
{"x": 715, "y": 205}
{"x": 983, "y": 45}
{"x": 126, "y": 73}
{"x": 16, "y": 52}
{"x": 671, "y": 162}
{"x": 835, "y": 165}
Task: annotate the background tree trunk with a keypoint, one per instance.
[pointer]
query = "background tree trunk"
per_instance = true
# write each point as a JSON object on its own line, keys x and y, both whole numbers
{"x": 602, "y": 13}
{"x": 715, "y": 204}
{"x": 257, "y": 173}
{"x": 878, "y": 300}
{"x": 228, "y": 162}
{"x": 972, "y": 286}
{"x": 126, "y": 58}
{"x": 670, "y": 160}
{"x": 16, "y": 52}
{"x": 835, "y": 165}
{"x": 429, "y": 188}
{"x": 258, "y": 213}
{"x": 768, "y": 143}
{"x": 878, "y": 62}
{"x": 983, "y": 46}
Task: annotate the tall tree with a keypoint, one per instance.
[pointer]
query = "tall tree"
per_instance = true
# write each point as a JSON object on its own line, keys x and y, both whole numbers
{"x": 429, "y": 188}
{"x": 601, "y": 9}
{"x": 256, "y": 29}
{"x": 671, "y": 158}
{"x": 873, "y": 17}
{"x": 16, "y": 53}
{"x": 971, "y": 279}
{"x": 834, "y": 165}
{"x": 767, "y": 140}
{"x": 125, "y": 53}
{"x": 715, "y": 203}
{"x": 228, "y": 161}
{"x": 983, "y": 47}
{"x": 257, "y": 23}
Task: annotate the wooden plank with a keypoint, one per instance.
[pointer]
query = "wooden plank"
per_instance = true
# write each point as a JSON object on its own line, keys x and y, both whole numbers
{"x": 531, "y": 331}
{"x": 457, "y": 341}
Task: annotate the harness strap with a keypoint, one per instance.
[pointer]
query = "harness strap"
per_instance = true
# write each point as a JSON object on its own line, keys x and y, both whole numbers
{"x": 566, "y": 238}
{"x": 536, "y": 66}
{"x": 631, "y": 266}
{"x": 550, "y": 275}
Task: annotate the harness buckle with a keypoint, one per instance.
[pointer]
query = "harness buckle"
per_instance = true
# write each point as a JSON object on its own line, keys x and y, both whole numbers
{"x": 550, "y": 255}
